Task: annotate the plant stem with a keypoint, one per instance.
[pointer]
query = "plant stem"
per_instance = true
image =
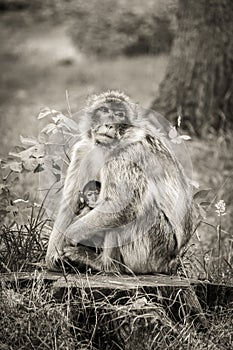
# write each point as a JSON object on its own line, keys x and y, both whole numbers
{"x": 219, "y": 243}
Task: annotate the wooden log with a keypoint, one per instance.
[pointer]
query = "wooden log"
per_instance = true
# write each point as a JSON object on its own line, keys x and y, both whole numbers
{"x": 209, "y": 294}
{"x": 139, "y": 311}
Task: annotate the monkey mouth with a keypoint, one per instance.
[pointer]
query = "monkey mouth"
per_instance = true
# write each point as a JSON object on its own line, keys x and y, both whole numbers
{"x": 105, "y": 135}
{"x": 104, "y": 139}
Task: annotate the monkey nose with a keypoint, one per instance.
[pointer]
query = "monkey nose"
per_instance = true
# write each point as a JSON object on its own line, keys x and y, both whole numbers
{"x": 108, "y": 126}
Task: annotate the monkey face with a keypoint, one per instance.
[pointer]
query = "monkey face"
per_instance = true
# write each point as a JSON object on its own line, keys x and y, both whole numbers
{"x": 91, "y": 197}
{"x": 111, "y": 112}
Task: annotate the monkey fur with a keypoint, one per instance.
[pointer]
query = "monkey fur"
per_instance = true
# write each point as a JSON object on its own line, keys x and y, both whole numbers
{"x": 143, "y": 215}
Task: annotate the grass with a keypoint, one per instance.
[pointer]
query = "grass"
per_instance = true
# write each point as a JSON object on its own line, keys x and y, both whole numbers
{"x": 38, "y": 64}
{"x": 42, "y": 321}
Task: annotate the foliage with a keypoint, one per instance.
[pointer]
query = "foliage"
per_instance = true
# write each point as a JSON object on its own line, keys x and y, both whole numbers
{"x": 24, "y": 222}
{"x": 41, "y": 319}
{"x": 107, "y": 28}
{"x": 114, "y": 27}
{"x": 210, "y": 251}
{"x": 38, "y": 322}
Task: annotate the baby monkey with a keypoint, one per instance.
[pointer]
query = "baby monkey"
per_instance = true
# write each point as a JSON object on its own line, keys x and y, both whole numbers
{"x": 88, "y": 198}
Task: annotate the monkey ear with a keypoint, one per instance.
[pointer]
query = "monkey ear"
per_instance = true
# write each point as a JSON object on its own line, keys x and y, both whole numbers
{"x": 82, "y": 200}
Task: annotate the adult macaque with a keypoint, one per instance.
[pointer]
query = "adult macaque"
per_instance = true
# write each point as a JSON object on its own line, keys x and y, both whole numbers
{"x": 143, "y": 214}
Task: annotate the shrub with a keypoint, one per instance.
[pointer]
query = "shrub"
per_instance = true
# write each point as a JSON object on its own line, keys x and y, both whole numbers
{"x": 112, "y": 28}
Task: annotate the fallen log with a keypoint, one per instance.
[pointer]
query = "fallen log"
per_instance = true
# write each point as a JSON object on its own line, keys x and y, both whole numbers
{"x": 140, "y": 311}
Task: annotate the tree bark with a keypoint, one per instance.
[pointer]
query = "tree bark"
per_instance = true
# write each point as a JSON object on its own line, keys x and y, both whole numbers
{"x": 198, "y": 84}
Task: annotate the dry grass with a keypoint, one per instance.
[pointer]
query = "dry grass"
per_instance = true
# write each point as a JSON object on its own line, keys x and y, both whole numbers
{"x": 41, "y": 321}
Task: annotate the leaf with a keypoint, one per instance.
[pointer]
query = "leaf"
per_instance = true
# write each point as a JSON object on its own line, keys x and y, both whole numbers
{"x": 56, "y": 166}
{"x": 14, "y": 181}
{"x": 176, "y": 140}
{"x": 15, "y": 166}
{"x": 202, "y": 194}
{"x": 205, "y": 203}
{"x": 45, "y": 112}
{"x": 38, "y": 169}
{"x": 57, "y": 118}
{"x": 30, "y": 164}
{"x": 20, "y": 200}
{"x": 70, "y": 123}
{"x": 29, "y": 141}
{"x": 57, "y": 176}
{"x": 12, "y": 208}
{"x": 185, "y": 137}
{"x": 36, "y": 151}
{"x": 173, "y": 133}
{"x": 49, "y": 128}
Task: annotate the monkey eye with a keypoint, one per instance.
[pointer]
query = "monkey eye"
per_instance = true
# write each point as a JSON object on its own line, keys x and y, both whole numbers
{"x": 104, "y": 109}
{"x": 120, "y": 114}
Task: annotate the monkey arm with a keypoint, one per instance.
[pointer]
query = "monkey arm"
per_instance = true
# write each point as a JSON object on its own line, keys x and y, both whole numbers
{"x": 93, "y": 223}
{"x": 57, "y": 237}
{"x": 67, "y": 207}
{"x": 117, "y": 202}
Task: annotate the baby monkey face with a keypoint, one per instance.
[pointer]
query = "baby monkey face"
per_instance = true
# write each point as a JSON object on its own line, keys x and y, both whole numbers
{"x": 91, "y": 197}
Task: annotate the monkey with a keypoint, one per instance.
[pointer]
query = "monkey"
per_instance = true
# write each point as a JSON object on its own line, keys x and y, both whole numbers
{"x": 86, "y": 162}
{"x": 88, "y": 198}
{"x": 144, "y": 211}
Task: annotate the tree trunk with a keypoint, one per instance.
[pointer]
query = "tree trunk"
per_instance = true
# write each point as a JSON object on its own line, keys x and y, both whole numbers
{"x": 198, "y": 84}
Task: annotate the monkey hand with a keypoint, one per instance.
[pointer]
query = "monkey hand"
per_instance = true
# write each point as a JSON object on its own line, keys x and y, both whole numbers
{"x": 75, "y": 254}
{"x": 53, "y": 259}
{"x": 54, "y": 253}
{"x": 82, "y": 256}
